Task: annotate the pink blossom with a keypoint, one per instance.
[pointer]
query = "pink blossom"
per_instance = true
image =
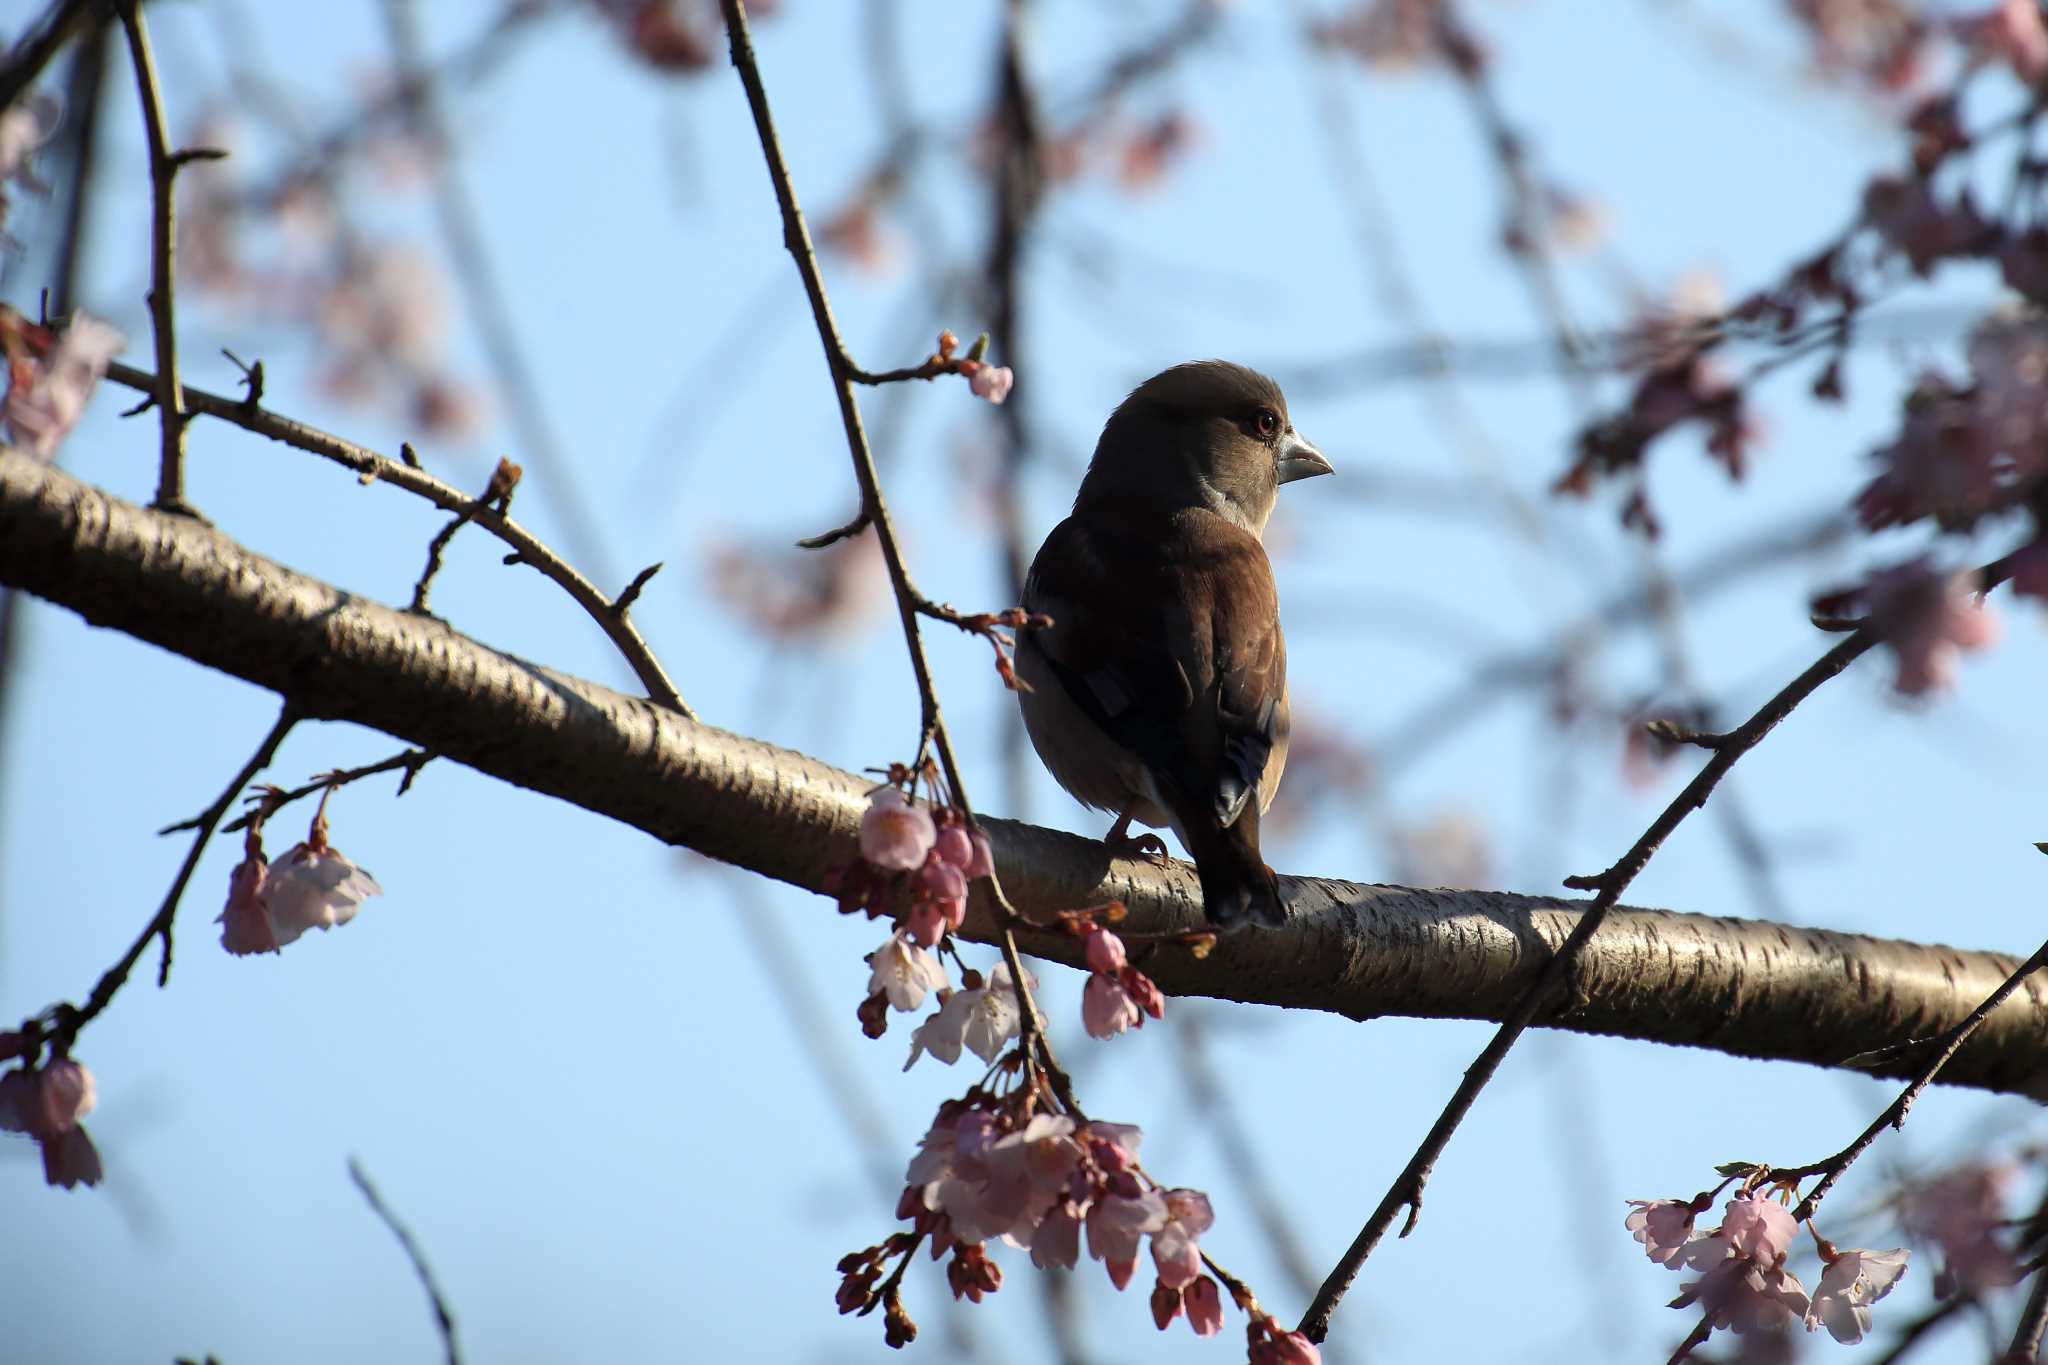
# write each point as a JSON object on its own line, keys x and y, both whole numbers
{"x": 46, "y": 397}
{"x": 1756, "y": 1229}
{"x": 988, "y": 381}
{"x": 1204, "y": 1305}
{"x": 70, "y": 1159}
{"x": 981, "y": 861}
{"x": 1281, "y": 1347}
{"x": 1663, "y": 1226}
{"x": 1961, "y": 1211}
{"x": 954, "y": 847}
{"x": 1043, "y": 1154}
{"x": 245, "y": 925}
{"x": 982, "y": 1021}
{"x": 895, "y": 834}
{"x": 66, "y": 1095}
{"x": 904, "y": 972}
{"x": 1742, "y": 1295}
{"x": 1174, "y": 1251}
{"x": 1118, "y": 1224}
{"x": 1165, "y": 1304}
{"x": 926, "y": 923}
{"x": 1929, "y": 620}
{"x": 1056, "y": 1241}
{"x": 1104, "y": 951}
{"x": 312, "y": 886}
{"x": 1848, "y": 1286}
{"x": 1107, "y": 1008}
{"x": 941, "y": 881}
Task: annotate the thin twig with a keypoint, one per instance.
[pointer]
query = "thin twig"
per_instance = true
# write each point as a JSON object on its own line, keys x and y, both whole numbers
{"x": 497, "y": 493}
{"x": 797, "y": 238}
{"x": 1406, "y": 1191}
{"x": 70, "y": 1021}
{"x": 2026, "y": 1338}
{"x": 375, "y": 468}
{"x": 468, "y": 252}
{"x": 411, "y": 761}
{"x": 443, "y": 1318}
{"x": 163, "y": 173}
{"x": 1894, "y": 1115}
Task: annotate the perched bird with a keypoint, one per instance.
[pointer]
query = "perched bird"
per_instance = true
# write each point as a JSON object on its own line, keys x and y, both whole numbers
{"x": 1160, "y": 690}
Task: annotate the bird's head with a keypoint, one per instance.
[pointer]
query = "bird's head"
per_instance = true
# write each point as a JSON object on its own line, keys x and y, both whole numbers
{"x": 1208, "y": 433}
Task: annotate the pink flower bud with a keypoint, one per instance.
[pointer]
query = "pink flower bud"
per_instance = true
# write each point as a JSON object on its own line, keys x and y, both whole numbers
{"x": 1106, "y": 1008}
{"x": 941, "y": 880}
{"x": 1165, "y": 1304}
{"x": 1144, "y": 994}
{"x": 993, "y": 383}
{"x": 1105, "y": 952}
{"x": 65, "y": 1095}
{"x": 954, "y": 846}
{"x": 1205, "y": 1307}
{"x": 983, "y": 862}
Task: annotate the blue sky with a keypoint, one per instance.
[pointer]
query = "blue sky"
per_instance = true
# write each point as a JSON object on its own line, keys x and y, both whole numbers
{"x": 554, "y": 1045}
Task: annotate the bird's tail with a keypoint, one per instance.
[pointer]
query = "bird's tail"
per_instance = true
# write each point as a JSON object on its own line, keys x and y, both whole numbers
{"x": 1236, "y": 883}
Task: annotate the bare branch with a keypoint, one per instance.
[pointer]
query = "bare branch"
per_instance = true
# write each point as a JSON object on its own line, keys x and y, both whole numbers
{"x": 443, "y": 1318}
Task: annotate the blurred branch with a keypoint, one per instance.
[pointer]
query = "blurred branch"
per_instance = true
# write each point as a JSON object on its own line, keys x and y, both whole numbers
{"x": 1739, "y": 987}
{"x": 443, "y": 1318}
{"x": 60, "y": 24}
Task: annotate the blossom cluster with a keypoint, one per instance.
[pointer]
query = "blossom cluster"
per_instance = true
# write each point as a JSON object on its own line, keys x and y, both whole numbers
{"x": 1118, "y": 996}
{"x": 1744, "y": 1284}
{"x": 46, "y": 1103}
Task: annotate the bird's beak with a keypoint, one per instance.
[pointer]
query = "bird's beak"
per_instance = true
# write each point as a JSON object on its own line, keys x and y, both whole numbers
{"x": 1297, "y": 459}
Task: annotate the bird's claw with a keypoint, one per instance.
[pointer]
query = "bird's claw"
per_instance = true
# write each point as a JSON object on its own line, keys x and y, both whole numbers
{"x": 1139, "y": 846}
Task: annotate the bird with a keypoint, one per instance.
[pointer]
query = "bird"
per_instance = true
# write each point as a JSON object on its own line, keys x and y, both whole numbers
{"x": 1159, "y": 691}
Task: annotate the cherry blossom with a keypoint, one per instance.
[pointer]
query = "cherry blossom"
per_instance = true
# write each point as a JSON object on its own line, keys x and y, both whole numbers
{"x": 312, "y": 886}
{"x": 988, "y": 381}
{"x": 1757, "y": 1229}
{"x": 904, "y": 972}
{"x": 1961, "y": 1211}
{"x": 981, "y": 1020}
{"x": 1928, "y": 620}
{"x": 1174, "y": 1251}
{"x": 244, "y": 924}
{"x": 1104, "y": 951}
{"x": 1204, "y": 1306}
{"x": 47, "y": 1104}
{"x": 1853, "y": 1281}
{"x": 1107, "y": 1008}
{"x": 1663, "y": 1226}
{"x": 45, "y": 397}
{"x": 895, "y": 834}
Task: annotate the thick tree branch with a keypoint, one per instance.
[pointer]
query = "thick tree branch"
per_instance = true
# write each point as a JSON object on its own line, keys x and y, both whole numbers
{"x": 1740, "y": 987}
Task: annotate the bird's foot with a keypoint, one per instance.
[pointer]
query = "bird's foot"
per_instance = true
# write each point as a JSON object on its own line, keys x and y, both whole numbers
{"x": 1138, "y": 846}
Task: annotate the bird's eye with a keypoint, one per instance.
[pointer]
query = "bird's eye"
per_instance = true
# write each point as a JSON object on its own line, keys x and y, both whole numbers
{"x": 1265, "y": 422}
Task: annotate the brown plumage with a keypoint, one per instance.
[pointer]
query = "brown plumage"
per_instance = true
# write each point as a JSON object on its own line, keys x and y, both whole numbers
{"x": 1160, "y": 690}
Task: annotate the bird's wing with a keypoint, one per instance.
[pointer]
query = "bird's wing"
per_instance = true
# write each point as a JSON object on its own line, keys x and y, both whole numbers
{"x": 1168, "y": 638}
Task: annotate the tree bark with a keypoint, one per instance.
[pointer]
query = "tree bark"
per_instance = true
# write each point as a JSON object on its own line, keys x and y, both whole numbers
{"x": 1741, "y": 987}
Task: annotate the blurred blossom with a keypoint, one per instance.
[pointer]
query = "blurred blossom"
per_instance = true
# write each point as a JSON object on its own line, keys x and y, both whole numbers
{"x": 47, "y": 1105}
{"x": 787, "y": 592}
{"x": 1882, "y": 42}
{"x": 25, "y": 125}
{"x": 1147, "y": 155}
{"x": 46, "y": 396}
{"x": 1450, "y": 848}
{"x": 1929, "y": 619}
{"x": 2010, "y": 32}
{"x": 988, "y": 381}
{"x": 857, "y": 232}
{"x": 1390, "y": 34}
{"x": 1961, "y": 1212}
